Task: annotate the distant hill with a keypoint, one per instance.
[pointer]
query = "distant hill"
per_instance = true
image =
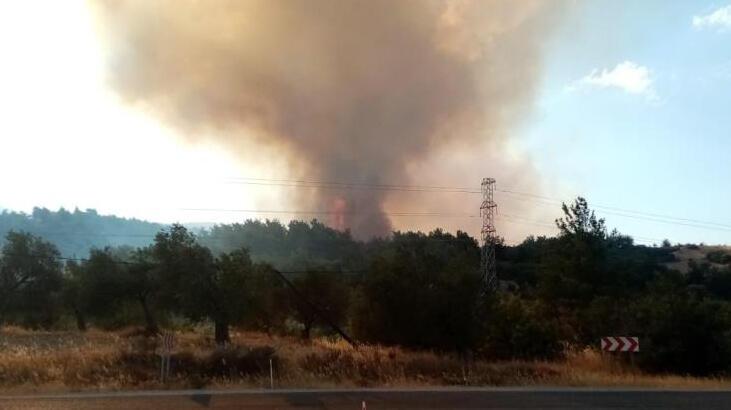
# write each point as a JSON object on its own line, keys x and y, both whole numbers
{"x": 75, "y": 232}
{"x": 285, "y": 246}
{"x": 716, "y": 256}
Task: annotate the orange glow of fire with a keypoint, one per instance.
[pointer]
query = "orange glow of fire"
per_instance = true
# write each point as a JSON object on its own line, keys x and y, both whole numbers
{"x": 338, "y": 208}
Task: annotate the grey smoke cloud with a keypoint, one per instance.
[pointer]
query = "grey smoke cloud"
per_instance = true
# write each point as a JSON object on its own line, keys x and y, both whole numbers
{"x": 350, "y": 90}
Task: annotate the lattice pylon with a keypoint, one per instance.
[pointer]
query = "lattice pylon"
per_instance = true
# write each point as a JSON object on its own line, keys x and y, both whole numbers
{"x": 488, "y": 209}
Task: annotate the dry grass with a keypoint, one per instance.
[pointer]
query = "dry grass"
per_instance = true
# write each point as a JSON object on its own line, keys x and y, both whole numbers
{"x": 63, "y": 361}
{"x": 685, "y": 253}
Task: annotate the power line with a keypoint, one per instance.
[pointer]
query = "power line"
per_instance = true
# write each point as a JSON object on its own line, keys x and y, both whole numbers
{"x": 544, "y": 200}
{"x": 556, "y": 201}
{"x": 315, "y": 308}
{"x": 67, "y": 259}
{"x": 349, "y": 185}
{"x": 518, "y": 219}
{"x": 68, "y": 233}
{"x": 512, "y": 219}
{"x": 541, "y": 199}
{"x": 505, "y": 218}
{"x": 644, "y": 217}
{"x": 443, "y": 214}
{"x": 127, "y": 262}
{"x": 316, "y": 212}
{"x": 621, "y": 212}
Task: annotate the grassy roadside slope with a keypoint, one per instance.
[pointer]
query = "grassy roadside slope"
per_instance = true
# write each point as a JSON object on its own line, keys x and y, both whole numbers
{"x": 68, "y": 361}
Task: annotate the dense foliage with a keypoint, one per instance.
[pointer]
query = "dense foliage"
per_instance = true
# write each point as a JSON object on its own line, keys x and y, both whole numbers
{"x": 422, "y": 290}
{"x": 415, "y": 289}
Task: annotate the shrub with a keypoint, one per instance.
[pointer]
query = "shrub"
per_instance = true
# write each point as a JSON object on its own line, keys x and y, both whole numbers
{"x": 683, "y": 333}
{"x": 521, "y": 329}
{"x": 721, "y": 257}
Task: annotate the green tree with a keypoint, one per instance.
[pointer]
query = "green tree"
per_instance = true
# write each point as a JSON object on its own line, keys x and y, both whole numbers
{"x": 104, "y": 281}
{"x": 682, "y": 331}
{"x": 581, "y": 255}
{"x": 73, "y": 293}
{"x": 94, "y": 287}
{"x": 269, "y": 305}
{"x": 143, "y": 284}
{"x": 523, "y": 329}
{"x": 287, "y": 247}
{"x": 224, "y": 291}
{"x": 422, "y": 291}
{"x": 320, "y": 293}
{"x": 186, "y": 271}
{"x": 201, "y": 287}
{"x": 30, "y": 279}
{"x": 580, "y": 221}
{"x": 589, "y": 274}
{"x": 575, "y": 267}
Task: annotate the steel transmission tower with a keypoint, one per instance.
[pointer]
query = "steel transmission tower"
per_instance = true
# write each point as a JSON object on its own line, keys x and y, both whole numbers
{"x": 488, "y": 209}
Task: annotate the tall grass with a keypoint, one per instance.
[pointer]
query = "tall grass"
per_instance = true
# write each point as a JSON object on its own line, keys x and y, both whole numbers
{"x": 95, "y": 360}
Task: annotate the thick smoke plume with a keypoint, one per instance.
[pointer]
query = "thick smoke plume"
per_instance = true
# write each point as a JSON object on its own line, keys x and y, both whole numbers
{"x": 350, "y": 90}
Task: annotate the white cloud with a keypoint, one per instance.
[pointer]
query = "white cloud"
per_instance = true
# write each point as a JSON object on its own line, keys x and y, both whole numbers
{"x": 630, "y": 77}
{"x": 719, "y": 19}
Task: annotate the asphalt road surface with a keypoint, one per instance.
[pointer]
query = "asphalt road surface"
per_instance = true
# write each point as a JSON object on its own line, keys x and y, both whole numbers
{"x": 446, "y": 398}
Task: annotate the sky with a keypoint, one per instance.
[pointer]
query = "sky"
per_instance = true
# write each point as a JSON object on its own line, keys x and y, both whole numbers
{"x": 632, "y": 111}
{"x": 638, "y": 96}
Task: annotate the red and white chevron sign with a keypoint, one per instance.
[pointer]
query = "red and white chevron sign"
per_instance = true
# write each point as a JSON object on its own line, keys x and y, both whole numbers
{"x": 621, "y": 344}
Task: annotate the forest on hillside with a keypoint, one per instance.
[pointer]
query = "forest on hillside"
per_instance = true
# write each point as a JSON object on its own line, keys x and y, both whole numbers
{"x": 420, "y": 290}
{"x": 76, "y": 232}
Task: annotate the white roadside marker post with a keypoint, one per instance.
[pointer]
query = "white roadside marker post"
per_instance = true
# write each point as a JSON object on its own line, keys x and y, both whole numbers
{"x": 167, "y": 366}
{"x": 271, "y": 374}
{"x": 168, "y": 341}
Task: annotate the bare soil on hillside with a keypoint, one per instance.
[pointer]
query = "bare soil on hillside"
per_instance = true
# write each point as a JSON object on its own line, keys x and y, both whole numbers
{"x": 699, "y": 253}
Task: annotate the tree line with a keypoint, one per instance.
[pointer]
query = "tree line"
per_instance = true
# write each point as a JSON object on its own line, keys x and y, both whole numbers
{"x": 420, "y": 290}
{"x": 76, "y": 232}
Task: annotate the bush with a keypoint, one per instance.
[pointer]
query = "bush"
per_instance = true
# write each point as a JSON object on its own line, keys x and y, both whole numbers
{"x": 683, "y": 333}
{"x": 721, "y": 257}
{"x": 521, "y": 329}
{"x": 604, "y": 316}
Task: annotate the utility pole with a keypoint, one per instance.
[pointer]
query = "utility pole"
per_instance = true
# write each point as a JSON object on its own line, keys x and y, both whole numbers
{"x": 488, "y": 208}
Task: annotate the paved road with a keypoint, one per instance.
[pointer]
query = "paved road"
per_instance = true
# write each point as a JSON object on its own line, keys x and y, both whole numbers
{"x": 447, "y": 398}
